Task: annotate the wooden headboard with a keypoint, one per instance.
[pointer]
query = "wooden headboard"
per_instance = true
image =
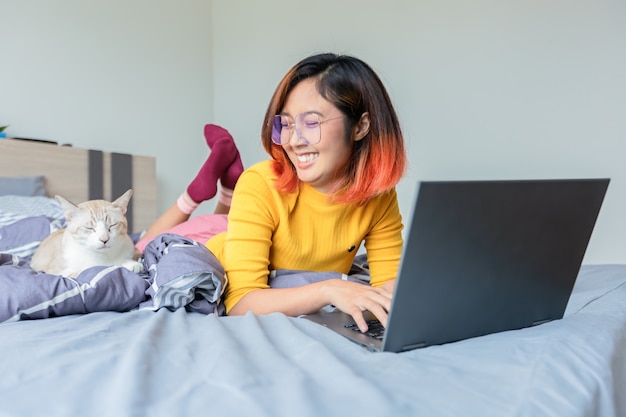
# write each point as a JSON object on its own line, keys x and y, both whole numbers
{"x": 84, "y": 174}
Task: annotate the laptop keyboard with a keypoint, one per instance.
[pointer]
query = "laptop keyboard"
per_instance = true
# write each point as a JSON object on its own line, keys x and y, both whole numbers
{"x": 374, "y": 329}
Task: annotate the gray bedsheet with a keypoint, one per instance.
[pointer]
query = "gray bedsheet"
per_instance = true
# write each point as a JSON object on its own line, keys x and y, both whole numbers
{"x": 177, "y": 363}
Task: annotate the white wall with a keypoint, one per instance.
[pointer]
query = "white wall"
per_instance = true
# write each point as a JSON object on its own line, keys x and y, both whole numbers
{"x": 117, "y": 75}
{"x": 485, "y": 89}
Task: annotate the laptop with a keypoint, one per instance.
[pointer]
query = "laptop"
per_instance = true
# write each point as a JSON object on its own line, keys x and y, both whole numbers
{"x": 483, "y": 257}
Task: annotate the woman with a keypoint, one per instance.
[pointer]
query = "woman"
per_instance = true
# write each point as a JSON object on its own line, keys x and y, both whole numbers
{"x": 337, "y": 153}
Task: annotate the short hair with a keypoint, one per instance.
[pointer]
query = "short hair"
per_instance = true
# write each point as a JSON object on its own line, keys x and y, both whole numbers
{"x": 378, "y": 161}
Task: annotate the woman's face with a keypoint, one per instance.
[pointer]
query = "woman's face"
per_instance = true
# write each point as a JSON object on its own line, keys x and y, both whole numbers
{"x": 320, "y": 164}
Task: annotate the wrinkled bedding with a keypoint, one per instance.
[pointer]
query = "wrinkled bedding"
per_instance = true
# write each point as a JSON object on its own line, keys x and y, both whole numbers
{"x": 180, "y": 274}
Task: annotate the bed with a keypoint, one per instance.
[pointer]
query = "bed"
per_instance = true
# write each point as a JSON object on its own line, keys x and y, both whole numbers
{"x": 151, "y": 344}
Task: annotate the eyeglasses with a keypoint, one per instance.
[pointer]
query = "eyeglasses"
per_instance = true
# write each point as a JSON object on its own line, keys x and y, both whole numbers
{"x": 307, "y": 127}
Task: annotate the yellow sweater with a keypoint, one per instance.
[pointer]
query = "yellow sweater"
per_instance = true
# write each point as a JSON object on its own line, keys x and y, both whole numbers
{"x": 268, "y": 230}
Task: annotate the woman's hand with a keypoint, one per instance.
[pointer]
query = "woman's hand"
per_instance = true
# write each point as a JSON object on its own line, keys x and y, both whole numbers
{"x": 350, "y": 297}
{"x": 354, "y": 298}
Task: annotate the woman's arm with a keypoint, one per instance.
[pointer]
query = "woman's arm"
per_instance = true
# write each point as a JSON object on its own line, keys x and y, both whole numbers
{"x": 170, "y": 218}
{"x": 349, "y": 297}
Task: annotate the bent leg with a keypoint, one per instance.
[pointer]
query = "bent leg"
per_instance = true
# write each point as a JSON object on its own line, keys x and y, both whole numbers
{"x": 224, "y": 163}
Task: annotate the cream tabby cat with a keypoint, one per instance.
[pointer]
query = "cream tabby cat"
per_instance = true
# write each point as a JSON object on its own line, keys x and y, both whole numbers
{"x": 96, "y": 234}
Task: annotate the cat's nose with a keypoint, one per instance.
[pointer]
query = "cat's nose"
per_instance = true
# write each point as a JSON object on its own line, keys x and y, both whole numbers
{"x": 104, "y": 240}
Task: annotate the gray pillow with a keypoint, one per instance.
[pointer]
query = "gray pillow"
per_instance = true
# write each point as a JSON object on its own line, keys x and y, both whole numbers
{"x": 33, "y": 186}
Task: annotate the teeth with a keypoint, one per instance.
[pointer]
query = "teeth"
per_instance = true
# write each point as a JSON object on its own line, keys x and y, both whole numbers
{"x": 307, "y": 157}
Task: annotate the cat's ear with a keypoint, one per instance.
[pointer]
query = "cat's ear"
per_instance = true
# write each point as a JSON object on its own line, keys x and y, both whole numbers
{"x": 122, "y": 201}
{"x": 68, "y": 207}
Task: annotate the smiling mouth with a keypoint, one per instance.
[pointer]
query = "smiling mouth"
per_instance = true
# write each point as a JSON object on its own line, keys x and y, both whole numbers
{"x": 308, "y": 157}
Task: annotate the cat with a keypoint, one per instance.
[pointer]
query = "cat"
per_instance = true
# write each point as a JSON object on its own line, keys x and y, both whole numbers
{"x": 96, "y": 234}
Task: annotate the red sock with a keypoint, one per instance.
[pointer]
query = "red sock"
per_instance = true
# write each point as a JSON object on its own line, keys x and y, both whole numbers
{"x": 213, "y": 133}
{"x": 223, "y": 153}
{"x": 230, "y": 177}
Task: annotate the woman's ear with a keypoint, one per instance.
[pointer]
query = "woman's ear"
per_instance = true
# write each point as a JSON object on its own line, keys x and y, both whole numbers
{"x": 362, "y": 128}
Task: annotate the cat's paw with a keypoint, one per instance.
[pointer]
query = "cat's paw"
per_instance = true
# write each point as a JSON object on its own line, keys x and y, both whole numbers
{"x": 133, "y": 266}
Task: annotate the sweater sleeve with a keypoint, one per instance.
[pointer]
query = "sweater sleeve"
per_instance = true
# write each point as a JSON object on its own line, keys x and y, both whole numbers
{"x": 246, "y": 246}
{"x": 384, "y": 241}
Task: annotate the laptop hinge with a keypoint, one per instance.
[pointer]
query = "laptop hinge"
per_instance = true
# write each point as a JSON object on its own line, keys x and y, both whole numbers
{"x": 538, "y": 322}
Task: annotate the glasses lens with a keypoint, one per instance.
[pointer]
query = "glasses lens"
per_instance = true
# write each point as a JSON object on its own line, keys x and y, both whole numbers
{"x": 277, "y": 128}
{"x": 308, "y": 128}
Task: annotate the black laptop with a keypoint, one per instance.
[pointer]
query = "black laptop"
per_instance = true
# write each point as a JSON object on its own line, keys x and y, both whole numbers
{"x": 482, "y": 257}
